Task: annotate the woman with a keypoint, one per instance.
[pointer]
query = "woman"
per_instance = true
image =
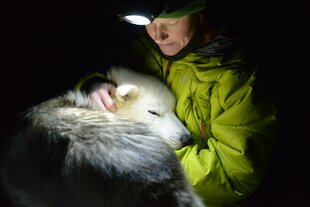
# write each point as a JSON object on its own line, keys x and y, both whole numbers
{"x": 218, "y": 100}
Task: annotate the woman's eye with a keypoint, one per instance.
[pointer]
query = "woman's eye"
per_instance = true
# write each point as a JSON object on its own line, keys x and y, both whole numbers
{"x": 153, "y": 112}
{"x": 173, "y": 22}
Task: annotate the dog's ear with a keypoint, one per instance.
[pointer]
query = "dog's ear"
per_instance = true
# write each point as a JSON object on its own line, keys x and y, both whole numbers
{"x": 126, "y": 92}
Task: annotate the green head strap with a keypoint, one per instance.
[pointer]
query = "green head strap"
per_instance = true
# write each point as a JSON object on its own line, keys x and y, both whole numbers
{"x": 180, "y": 8}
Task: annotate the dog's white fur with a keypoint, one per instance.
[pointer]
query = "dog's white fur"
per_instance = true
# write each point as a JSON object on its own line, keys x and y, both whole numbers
{"x": 144, "y": 100}
{"x": 67, "y": 153}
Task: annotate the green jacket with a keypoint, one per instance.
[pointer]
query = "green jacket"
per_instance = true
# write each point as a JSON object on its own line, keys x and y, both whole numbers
{"x": 232, "y": 127}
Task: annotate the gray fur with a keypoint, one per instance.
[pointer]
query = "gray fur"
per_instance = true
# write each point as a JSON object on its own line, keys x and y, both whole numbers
{"x": 67, "y": 154}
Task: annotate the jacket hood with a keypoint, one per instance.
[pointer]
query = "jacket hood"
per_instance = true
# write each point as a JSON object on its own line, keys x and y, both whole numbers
{"x": 222, "y": 43}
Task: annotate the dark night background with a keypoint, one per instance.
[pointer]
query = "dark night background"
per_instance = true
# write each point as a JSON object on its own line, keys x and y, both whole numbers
{"x": 48, "y": 45}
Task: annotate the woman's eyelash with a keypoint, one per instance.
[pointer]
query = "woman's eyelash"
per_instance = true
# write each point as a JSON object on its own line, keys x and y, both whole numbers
{"x": 172, "y": 23}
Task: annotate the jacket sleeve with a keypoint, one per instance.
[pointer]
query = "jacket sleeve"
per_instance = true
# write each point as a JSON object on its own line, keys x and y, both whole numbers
{"x": 85, "y": 82}
{"x": 242, "y": 128}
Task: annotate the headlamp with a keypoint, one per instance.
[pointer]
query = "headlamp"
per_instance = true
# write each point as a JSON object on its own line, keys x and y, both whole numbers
{"x": 143, "y": 12}
{"x": 137, "y": 19}
{"x": 139, "y": 14}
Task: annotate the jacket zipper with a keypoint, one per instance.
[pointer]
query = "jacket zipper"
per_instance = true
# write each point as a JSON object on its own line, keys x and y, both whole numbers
{"x": 166, "y": 73}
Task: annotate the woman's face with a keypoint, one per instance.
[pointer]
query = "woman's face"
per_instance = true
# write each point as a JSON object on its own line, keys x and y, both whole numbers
{"x": 172, "y": 34}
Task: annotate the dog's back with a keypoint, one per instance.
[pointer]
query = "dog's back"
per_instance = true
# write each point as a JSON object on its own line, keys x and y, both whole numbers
{"x": 66, "y": 154}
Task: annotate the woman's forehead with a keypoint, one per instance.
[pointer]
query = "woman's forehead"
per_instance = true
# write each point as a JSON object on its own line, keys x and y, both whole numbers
{"x": 163, "y": 20}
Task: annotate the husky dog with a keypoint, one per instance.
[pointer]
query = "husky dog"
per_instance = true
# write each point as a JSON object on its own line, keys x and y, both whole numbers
{"x": 66, "y": 153}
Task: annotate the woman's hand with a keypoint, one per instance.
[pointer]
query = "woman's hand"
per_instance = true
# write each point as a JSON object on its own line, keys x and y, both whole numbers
{"x": 100, "y": 94}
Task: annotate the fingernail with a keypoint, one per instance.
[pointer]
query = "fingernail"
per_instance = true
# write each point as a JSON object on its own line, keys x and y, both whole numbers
{"x": 112, "y": 108}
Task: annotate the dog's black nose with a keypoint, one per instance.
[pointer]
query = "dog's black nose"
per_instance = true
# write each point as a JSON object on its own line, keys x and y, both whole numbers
{"x": 186, "y": 139}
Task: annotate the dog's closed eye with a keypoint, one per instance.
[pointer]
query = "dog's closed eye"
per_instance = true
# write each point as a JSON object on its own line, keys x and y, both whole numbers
{"x": 153, "y": 112}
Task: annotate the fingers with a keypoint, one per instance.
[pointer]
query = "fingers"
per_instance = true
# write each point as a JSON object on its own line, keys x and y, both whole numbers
{"x": 101, "y": 96}
{"x": 106, "y": 98}
{"x": 97, "y": 101}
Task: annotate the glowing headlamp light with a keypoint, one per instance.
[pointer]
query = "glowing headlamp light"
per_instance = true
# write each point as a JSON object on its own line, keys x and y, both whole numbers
{"x": 137, "y": 16}
{"x": 137, "y": 19}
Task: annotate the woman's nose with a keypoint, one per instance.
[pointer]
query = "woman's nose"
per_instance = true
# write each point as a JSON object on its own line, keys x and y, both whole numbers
{"x": 160, "y": 35}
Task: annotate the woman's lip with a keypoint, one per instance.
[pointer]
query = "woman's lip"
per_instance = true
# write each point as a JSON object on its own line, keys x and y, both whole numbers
{"x": 165, "y": 45}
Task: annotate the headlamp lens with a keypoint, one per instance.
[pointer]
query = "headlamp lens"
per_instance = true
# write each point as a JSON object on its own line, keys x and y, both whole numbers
{"x": 137, "y": 19}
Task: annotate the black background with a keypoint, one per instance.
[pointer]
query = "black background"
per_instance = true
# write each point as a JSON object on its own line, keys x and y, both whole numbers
{"x": 48, "y": 45}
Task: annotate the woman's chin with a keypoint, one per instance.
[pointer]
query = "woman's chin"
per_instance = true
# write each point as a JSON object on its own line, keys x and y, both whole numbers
{"x": 169, "y": 51}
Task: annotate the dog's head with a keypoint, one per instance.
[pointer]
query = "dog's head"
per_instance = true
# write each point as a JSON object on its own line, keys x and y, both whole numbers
{"x": 145, "y": 99}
